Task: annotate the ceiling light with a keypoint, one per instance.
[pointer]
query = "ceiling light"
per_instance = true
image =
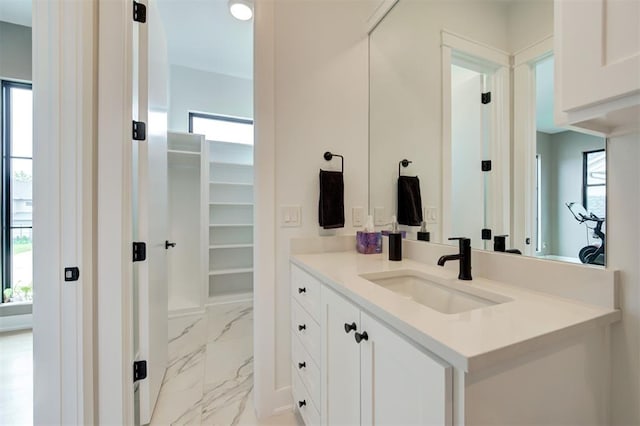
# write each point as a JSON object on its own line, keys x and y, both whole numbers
{"x": 241, "y": 9}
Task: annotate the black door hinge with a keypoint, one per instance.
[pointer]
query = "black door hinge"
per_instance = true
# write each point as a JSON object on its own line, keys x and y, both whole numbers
{"x": 139, "y": 251}
{"x": 139, "y": 12}
{"x": 486, "y": 98}
{"x": 486, "y": 234}
{"x": 71, "y": 274}
{"x": 139, "y": 131}
{"x": 486, "y": 165}
{"x": 139, "y": 370}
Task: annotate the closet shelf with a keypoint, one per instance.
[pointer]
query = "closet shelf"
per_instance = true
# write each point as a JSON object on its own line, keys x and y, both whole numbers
{"x": 225, "y": 203}
{"x": 229, "y": 246}
{"x": 226, "y": 163}
{"x": 230, "y": 183}
{"x": 231, "y": 225}
{"x": 230, "y": 271}
{"x": 182, "y": 152}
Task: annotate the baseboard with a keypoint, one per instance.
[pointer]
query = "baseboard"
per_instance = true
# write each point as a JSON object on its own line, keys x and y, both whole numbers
{"x": 229, "y": 298}
{"x": 16, "y": 322}
{"x": 282, "y": 401}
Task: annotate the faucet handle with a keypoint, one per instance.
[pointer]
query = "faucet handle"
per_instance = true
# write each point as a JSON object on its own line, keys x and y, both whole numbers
{"x": 462, "y": 242}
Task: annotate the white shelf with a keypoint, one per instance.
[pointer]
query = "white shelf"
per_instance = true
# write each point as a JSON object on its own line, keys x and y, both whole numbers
{"x": 230, "y": 183}
{"x": 223, "y": 164}
{"x": 229, "y": 204}
{"x": 181, "y": 152}
{"x": 230, "y": 225}
{"x": 230, "y": 271}
{"x": 229, "y": 246}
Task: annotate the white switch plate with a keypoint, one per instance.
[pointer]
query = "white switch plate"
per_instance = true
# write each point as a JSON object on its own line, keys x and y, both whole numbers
{"x": 291, "y": 216}
{"x": 379, "y": 218}
{"x": 430, "y": 214}
{"x": 357, "y": 216}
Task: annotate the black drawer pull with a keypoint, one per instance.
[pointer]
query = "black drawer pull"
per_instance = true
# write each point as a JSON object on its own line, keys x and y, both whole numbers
{"x": 302, "y": 290}
{"x": 302, "y": 403}
{"x": 361, "y": 336}
{"x": 302, "y": 327}
{"x": 350, "y": 327}
{"x": 302, "y": 365}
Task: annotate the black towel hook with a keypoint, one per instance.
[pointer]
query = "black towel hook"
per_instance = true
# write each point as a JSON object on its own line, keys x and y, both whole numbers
{"x": 329, "y": 155}
{"x": 403, "y": 163}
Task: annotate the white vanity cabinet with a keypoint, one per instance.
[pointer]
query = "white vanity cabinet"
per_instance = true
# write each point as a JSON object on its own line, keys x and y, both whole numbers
{"x": 597, "y": 48}
{"x": 371, "y": 375}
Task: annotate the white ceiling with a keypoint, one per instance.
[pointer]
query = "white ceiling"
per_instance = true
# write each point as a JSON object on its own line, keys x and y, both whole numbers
{"x": 16, "y": 12}
{"x": 202, "y": 34}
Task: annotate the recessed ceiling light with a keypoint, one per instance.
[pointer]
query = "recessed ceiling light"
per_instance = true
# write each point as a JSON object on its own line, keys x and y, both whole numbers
{"x": 241, "y": 9}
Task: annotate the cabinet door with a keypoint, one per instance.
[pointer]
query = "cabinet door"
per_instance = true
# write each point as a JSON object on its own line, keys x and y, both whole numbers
{"x": 401, "y": 384}
{"x": 597, "y": 51}
{"x": 340, "y": 361}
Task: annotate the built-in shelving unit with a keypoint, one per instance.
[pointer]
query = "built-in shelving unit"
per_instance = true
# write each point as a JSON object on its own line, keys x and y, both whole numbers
{"x": 188, "y": 175}
{"x": 230, "y": 203}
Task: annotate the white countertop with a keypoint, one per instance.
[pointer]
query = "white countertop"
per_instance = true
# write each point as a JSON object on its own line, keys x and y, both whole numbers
{"x": 469, "y": 340}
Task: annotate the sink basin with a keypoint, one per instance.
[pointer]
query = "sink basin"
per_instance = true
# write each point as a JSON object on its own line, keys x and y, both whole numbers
{"x": 436, "y": 293}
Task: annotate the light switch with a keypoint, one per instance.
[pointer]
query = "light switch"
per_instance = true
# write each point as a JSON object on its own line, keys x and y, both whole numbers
{"x": 430, "y": 214}
{"x": 290, "y": 216}
{"x": 357, "y": 216}
{"x": 379, "y": 218}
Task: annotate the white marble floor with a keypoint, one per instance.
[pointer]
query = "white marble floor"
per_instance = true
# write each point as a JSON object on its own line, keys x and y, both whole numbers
{"x": 210, "y": 376}
{"x": 16, "y": 378}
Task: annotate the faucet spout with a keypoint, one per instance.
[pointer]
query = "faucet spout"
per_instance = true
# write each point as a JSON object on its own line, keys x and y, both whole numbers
{"x": 446, "y": 258}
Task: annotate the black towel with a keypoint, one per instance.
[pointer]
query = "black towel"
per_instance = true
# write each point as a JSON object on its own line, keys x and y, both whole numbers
{"x": 409, "y": 201}
{"x": 331, "y": 205}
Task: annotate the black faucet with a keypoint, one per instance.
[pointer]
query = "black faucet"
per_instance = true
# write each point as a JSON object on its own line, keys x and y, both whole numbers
{"x": 499, "y": 244}
{"x": 464, "y": 256}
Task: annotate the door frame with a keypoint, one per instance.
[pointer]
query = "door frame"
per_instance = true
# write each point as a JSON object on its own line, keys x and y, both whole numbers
{"x": 499, "y": 218}
{"x": 64, "y": 186}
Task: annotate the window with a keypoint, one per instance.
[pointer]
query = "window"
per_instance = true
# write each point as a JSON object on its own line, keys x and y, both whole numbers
{"x": 17, "y": 159}
{"x": 594, "y": 182}
{"x": 222, "y": 129}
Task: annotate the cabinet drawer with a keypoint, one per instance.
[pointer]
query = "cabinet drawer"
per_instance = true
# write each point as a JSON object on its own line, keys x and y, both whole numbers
{"x": 306, "y": 290}
{"x": 304, "y": 403}
{"x": 307, "y": 369}
{"x": 306, "y": 329}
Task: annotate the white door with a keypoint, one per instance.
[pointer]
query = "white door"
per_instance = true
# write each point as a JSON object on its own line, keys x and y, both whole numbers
{"x": 150, "y": 206}
{"x": 340, "y": 361}
{"x": 401, "y": 384}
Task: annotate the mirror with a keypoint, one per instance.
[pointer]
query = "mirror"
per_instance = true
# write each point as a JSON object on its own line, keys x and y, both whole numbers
{"x": 464, "y": 90}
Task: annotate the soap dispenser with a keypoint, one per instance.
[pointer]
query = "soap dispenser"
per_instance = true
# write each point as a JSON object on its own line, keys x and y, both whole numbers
{"x": 423, "y": 234}
{"x": 395, "y": 241}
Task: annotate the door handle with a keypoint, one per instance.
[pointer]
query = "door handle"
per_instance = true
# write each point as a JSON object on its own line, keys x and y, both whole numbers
{"x": 167, "y": 244}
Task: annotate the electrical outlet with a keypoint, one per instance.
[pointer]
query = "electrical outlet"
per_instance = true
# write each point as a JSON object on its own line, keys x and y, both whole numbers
{"x": 379, "y": 218}
{"x": 357, "y": 216}
{"x": 291, "y": 216}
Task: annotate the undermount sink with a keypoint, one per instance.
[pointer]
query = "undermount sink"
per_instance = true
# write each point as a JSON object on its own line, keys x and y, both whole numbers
{"x": 435, "y": 293}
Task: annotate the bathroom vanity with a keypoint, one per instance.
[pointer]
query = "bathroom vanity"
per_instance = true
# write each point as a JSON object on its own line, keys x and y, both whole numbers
{"x": 379, "y": 342}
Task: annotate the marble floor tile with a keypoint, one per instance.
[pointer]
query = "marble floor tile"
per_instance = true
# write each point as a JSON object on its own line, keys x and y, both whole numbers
{"x": 178, "y": 408}
{"x": 16, "y": 378}
{"x": 229, "y": 321}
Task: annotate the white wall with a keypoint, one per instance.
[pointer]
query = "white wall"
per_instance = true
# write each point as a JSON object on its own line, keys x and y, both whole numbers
{"x": 194, "y": 90}
{"x": 623, "y": 249}
{"x": 15, "y": 52}
{"x": 321, "y": 104}
{"x": 529, "y": 22}
{"x": 548, "y": 191}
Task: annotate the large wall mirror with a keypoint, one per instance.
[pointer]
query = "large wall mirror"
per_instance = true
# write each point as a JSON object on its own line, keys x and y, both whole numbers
{"x": 463, "y": 90}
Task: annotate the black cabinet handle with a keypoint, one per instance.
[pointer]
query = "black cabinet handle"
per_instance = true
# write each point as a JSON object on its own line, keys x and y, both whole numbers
{"x": 361, "y": 336}
{"x": 167, "y": 244}
{"x": 302, "y": 403}
{"x": 302, "y": 290}
{"x": 349, "y": 327}
{"x": 302, "y": 327}
{"x": 302, "y": 365}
